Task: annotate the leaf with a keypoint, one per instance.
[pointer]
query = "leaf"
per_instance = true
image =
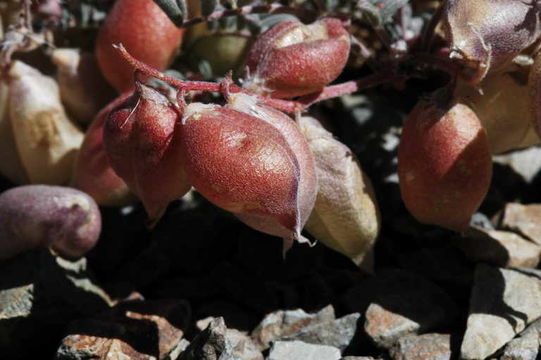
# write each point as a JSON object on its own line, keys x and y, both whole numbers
{"x": 380, "y": 12}
{"x": 176, "y": 10}
{"x": 208, "y": 6}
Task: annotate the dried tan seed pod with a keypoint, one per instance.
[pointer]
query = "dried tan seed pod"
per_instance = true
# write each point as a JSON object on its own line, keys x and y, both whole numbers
{"x": 83, "y": 89}
{"x": 346, "y": 216}
{"x": 502, "y": 102}
{"x": 46, "y": 140}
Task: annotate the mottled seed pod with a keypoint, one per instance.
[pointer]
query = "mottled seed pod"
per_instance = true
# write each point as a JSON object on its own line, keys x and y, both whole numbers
{"x": 346, "y": 215}
{"x": 244, "y": 165}
{"x": 444, "y": 164}
{"x": 292, "y": 59}
{"x": 46, "y": 140}
{"x": 307, "y": 187}
{"x": 488, "y": 34}
{"x": 34, "y": 216}
{"x": 141, "y": 139}
{"x": 93, "y": 173}
{"x": 146, "y": 32}
{"x": 503, "y": 104}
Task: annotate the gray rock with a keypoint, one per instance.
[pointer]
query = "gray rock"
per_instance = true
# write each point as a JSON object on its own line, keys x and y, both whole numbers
{"x": 337, "y": 333}
{"x": 359, "y": 358}
{"x": 525, "y": 347}
{"x": 389, "y": 316}
{"x": 524, "y": 219}
{"x": 134, "y": 329}
{"x": 217, "y": 342}
{"x": 500, "y": 248}
{"x": 298, "y": 350}
{"x": 280, "y": 324}
{"x": 503, "y": 302}
{"x": 526, "y": 163}
{"x": 39, "y": 295}
{"x": 422, "y": 347}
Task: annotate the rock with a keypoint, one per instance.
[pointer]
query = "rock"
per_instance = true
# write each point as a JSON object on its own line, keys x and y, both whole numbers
{"x": 281, "y": 324}
{"x": 503, "y": 302}
{"x": 422, "y": 347}
{"x": 526, "y": 346}
{"x": 39, "y": 295}
{"x": 359, "y": 358}
{"x": 297, "y": 350}
{"x": 500, "y": 248}
{"x": 135, "y": 329}
{"x": 526, "y": 163}
{"x": 522, "y": 348}
{"x": 337, "y": 333}
{"x": 388, "y": 316}
{"x": 217, "y": 342}
{"x": 524, "y": 219}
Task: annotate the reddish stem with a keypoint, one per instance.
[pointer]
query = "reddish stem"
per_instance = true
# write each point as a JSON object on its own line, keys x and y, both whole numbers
{"x": 288, "y": 106}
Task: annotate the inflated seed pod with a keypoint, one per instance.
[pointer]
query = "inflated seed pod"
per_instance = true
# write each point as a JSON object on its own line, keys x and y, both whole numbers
{"x": 346, "y": 215}
{"x": 146, "y": 32}
{"x": 10, "y": 161}
{"x": 244, "y": 165}
{"x": 83, "y": 89}
{"x": 488, "y": 34}
{"x": 502, "y": 102}
{"x": 47, "y": 141}
{"x": 34, "y": 216}
{"x": 93, "y": 173}
{"x": 444, "y": 163}
{"x": 293, "y": 59}
{"x": 141, "y": 138}
{"x": 307, "y": 187}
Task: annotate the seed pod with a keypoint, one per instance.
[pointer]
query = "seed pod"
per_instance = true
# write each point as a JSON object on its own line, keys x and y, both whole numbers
{"x": 83, "y": 89}
{"x": 46, "y": 140}
{"x": 346, "y": 215}
{"x": 33, "y": 216}
{"x": 534, "y": 86}
{"x": 141, "y": 140}
{"x": 293, "y": 59}
{"x": 146, "y": 32}
{"x": 244, "y": 165}
{"x": 10, "y": 162}
{"x": 488, "y": 34}
{"x": 307, "y": 187}
{"x": 444, "y": 164}
{"x": 503, "y": 105}
{"x": 93, "y": 174}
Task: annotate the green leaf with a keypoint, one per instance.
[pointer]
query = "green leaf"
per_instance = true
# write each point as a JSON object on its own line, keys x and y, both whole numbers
{"x": 176, "y": 10}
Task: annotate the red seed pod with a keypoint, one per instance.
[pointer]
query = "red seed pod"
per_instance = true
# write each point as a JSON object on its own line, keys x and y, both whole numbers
{"x": 93, "y": 173}
{"x": 141, "y": 138}
{"x": 488, "y": 34}
{"x": 444, "y": 164}
{"x": 307, "y": 188}
{"x": 244, "y": 165}
{"x": 292, "y": 59}
{"x": 146, "y": 32}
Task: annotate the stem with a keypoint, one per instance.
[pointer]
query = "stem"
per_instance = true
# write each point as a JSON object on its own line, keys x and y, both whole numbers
{"x": 288, "y": 106}
{"x": 244, "y": 10}
{"x": 430, "y": 31}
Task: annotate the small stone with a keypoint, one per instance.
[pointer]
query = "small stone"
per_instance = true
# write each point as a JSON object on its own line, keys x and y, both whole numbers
{"x": 134, "y": 329}
{"x": 422, "y": 347}
{"x": 298, "y": 350}
{"x": 281, "y": 324}
{"x": 359, "y": 358}
{"x": 16, "y": 302}
{"x": 524, "y": 219}
{"x": 337, "y": 333}
{"x": 388, "y": 316}
{"x": 526, "y": 163}
{"x": 503, "y": 302}
{"x": 525, "y": 347}
{"x": 217, "y": 342}
{"x": 500, "y": 248}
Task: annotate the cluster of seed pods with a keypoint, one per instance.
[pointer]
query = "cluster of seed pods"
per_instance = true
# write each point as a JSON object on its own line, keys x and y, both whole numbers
{"x": 244, "y": 156}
